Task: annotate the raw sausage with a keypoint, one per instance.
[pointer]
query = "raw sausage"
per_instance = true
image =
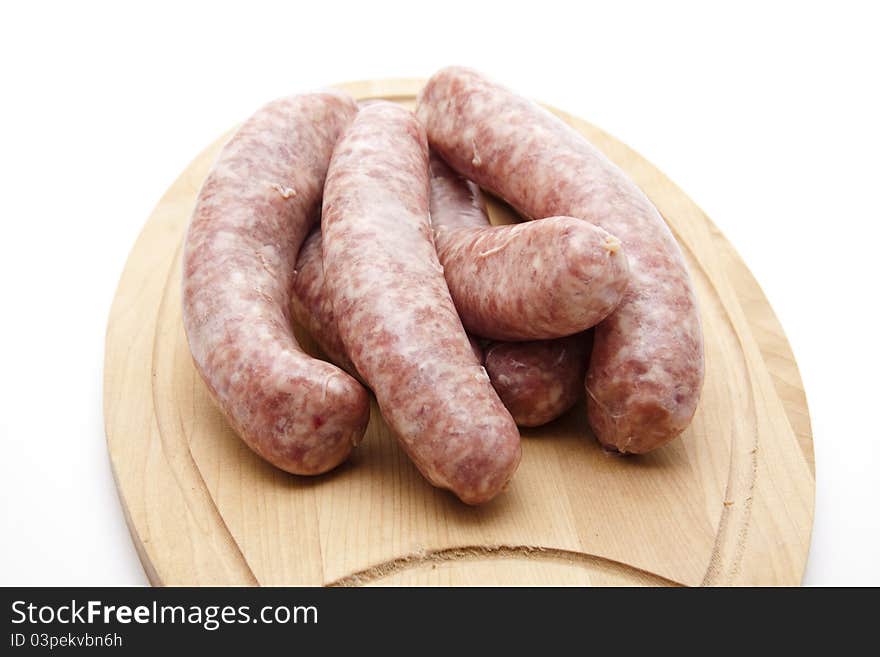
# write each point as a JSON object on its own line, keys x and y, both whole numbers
{"x": 539, "y": 381}
{"x": 252, "y": 214}
{"x": 646, "y": 369}
{"x": 394, "y": 312}
{"x": 528, "y": 281}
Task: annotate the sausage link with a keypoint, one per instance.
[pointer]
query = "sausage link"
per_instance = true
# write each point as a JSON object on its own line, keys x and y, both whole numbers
{"x": 539, "y": 381}
{"x": 646, "y": 370}
{"x": 394, "y": 312}
{"x": 252, "y": 213}
{"x": 528, "y": 281}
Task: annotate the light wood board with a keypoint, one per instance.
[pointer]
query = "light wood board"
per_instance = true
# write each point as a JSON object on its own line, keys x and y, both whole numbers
{"x": 729, "y": 503}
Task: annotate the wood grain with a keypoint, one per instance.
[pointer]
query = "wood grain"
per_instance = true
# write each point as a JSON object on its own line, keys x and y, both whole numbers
{"x": 730, "y": 503}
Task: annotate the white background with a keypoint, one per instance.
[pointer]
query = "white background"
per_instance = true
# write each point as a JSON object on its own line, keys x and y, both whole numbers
{"x": 766, "y": 114}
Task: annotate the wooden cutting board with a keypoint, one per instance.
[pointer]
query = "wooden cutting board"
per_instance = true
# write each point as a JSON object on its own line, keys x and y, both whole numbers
{"x": 729, "y": 503}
